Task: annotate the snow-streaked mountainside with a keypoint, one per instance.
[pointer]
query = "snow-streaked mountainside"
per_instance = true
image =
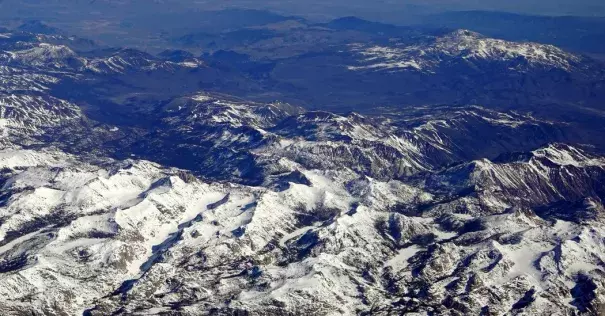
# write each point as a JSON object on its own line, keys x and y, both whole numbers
{"x": 466, "y": 46}
{"x": 102, "y": 237}
{"x": 61, "y": 57}
{"x": 131, "y": 185}
{"x": 26, "y": 114}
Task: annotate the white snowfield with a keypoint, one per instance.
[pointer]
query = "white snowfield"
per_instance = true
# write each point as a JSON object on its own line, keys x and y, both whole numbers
{"x": 73, "y": 234}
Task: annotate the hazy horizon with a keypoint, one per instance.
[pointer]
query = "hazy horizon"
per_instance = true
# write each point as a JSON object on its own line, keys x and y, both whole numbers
{"x": 393, "y": 11}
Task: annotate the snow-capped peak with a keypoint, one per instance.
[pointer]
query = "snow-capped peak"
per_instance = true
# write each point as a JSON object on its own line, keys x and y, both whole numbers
{"x": 461, "y": 45}
{"x": 45, "y": 54}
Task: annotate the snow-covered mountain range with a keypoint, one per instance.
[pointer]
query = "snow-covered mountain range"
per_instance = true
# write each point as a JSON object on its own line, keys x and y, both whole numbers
{"x": 131, "y": 185}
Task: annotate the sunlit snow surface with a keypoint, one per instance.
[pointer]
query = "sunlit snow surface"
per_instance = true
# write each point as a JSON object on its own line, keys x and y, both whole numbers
{"x": 103, "y": 226}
